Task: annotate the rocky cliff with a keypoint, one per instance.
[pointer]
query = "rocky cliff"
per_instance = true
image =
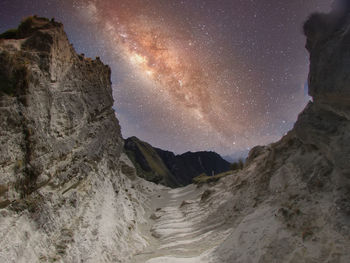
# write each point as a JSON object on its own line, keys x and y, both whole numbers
{"x": 291, "y": 203}
{"x": 63, "y": 187}
{"x": 69, "y": 195}
{"x": 55, "y": 110}
{"x": 159, "y": 166}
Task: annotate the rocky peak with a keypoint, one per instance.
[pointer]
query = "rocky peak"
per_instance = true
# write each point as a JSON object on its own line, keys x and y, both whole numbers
{"x": 328, "y": 41}
{"x": 29, "y": 26}
{"x": 57, "y": 118}
{"x": 64, "y": 181}
{"x": 324, "y": 120}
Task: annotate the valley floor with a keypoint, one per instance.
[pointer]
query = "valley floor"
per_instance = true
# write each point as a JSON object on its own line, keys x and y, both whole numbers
{"x": 173, "y": 231}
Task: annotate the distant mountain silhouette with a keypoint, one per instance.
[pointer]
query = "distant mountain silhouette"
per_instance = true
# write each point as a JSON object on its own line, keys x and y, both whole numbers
{"x": 172, "y": 170}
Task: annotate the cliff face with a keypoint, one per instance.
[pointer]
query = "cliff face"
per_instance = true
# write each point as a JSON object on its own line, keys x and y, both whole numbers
{"x": 159, "y": 166}
{"x": 299, "y": 187}
{"x": 56, "y": 112}
{"x": 62, "y": 180}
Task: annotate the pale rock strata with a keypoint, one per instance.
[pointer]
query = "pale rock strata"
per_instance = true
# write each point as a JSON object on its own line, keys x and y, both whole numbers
{"x": 65, "y": 192}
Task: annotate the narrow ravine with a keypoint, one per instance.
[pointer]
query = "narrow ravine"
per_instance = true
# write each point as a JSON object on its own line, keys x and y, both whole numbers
{"x": 175, "y": 231}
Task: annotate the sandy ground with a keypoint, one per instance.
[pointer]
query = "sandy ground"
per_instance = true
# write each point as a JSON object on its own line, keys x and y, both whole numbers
{"x": 173, "y": 231}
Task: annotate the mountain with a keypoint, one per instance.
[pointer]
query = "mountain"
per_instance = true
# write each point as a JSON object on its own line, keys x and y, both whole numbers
{"x": 148, "y": 163}
{"x": 68, "y": 193}
{"x": 159, "y": 166}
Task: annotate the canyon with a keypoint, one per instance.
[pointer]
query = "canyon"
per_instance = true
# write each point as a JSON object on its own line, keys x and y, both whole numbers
{"x": 69, "y": 193}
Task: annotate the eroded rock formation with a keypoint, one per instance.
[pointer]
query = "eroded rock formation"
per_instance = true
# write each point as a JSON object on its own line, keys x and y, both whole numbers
{"x": 64, "y": 192}
{"x": 68, "y": 194}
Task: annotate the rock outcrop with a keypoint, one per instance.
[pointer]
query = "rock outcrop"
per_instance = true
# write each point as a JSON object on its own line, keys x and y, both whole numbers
{"x": 291, "y": 203}
{"x": 56, "y": 112}
{"x": 160, "y": 166}
{"x": 65, "y": 194}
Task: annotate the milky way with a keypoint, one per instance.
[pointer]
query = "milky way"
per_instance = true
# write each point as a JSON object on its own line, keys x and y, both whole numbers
{"x": 195, "y": 75}
{"x": 178, "y": 74}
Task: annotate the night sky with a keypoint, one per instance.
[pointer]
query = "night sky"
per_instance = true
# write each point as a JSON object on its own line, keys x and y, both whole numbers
{"x": 222, "y": 75}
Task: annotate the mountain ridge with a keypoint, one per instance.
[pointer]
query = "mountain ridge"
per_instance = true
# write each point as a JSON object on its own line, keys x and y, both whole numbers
{"x": 65, "y": 184}
{"x": 172, "y": 169}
